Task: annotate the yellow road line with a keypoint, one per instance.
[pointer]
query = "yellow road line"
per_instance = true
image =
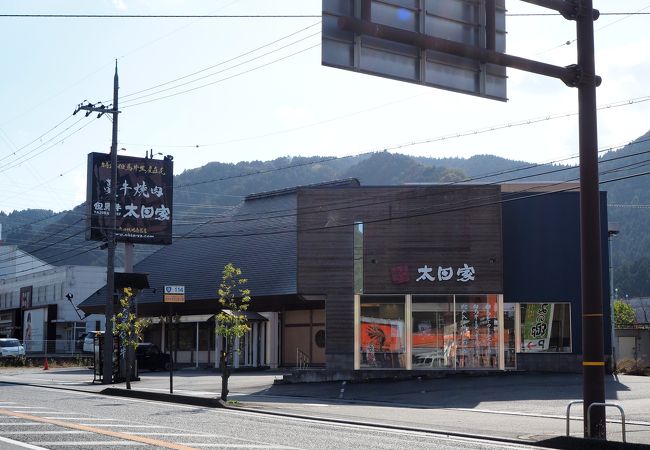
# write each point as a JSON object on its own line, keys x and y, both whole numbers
{"x": 117, "y": 434}
{"x": 593, "y": 363}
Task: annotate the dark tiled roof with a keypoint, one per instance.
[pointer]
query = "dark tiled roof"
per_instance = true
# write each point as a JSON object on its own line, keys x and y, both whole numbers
{"x": 258, "y": 236}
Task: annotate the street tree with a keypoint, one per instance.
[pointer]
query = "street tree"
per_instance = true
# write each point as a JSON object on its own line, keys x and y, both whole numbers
{"x": 624, "y": 314}
{"x": 232, "y": 323}
{"x": 130, "y": 329}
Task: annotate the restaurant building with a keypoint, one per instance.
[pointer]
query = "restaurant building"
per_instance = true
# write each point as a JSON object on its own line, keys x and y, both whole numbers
{"x": 401, "y": 278}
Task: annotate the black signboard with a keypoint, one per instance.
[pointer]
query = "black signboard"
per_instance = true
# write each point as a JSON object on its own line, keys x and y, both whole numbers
{"x": 143, "y": 201}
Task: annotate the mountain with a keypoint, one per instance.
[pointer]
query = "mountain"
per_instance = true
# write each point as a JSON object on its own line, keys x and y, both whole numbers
{"x": 203, "y": 193}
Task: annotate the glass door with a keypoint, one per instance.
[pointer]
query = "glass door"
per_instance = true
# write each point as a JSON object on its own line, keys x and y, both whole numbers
{"x": 433, "y": 331}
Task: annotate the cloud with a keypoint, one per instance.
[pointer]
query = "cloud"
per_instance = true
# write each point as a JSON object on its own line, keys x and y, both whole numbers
{"x": 119, "y": 4}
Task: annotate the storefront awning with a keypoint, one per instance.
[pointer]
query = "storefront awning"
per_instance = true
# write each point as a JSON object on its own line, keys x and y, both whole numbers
{"x": 187, "y": 319}
{"x": 250, "y": 316}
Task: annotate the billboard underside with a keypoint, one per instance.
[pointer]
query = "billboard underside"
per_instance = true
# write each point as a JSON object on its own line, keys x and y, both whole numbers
{"x": 462, "y": 21}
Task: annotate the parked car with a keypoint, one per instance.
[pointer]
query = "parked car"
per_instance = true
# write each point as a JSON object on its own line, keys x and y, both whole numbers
{"x": 10, "y": 347}
{"x": 89, "y": 340}
{"x": 150, "y": 357}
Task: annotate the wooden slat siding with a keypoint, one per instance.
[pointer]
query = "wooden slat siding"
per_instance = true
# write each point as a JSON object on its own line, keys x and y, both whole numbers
{"x": 464, "y": 227}
{"x": 325, "y": 259}
{"x": 433, "y": 225}
{"x": 339, "y": 336}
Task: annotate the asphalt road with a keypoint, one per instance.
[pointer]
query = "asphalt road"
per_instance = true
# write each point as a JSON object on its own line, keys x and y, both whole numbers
{"x": 526, "y": 408}
{"x": 41, "y": 417}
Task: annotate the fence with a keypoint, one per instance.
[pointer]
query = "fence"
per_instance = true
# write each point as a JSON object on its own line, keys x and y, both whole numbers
{"x": 58, "y": 347}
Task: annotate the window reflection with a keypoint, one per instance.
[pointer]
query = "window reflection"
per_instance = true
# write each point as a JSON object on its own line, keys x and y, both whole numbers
{"x": 382, "y": 332}
{"x": 433, "y": 332}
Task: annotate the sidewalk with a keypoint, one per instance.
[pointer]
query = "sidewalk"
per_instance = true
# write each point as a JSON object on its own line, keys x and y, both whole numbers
{"x": 522, "y": 407}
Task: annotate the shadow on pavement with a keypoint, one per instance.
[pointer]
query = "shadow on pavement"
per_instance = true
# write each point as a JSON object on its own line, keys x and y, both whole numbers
{"x": 456, "y": 391}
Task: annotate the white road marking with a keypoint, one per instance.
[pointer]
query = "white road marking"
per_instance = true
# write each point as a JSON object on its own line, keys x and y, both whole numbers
{"x": 21, "y": 444}
{"x": 108, "y": 425}
{"x": 80, "y": 418}
{"x": 30, "y": 407}
{"x": 198, "y": 444}
{"x": 45, "y": 432}
{"x": 174, "y": 434}
{"x": 23, "y": 424}
{"x": 91, "y": 443}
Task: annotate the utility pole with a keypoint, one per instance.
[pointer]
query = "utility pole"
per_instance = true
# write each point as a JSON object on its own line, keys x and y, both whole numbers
{"x": 107, "y": 373}
{"x": 582, "y": 76}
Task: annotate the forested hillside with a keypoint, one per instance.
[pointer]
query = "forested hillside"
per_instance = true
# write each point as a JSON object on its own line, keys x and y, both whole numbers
{"x": 206, "y": 192}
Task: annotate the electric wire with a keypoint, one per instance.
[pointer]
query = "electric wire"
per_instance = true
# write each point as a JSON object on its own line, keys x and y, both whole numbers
{"x": 524, "y": 168}
{"x": 126, "y": 96}
{"x": 221, "y": 79}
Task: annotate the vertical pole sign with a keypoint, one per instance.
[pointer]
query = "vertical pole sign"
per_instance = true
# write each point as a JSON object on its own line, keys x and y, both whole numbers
{"x": 128, "y": 200}
{"x": 459, "y": 45}
{"x": 171, "y": 295}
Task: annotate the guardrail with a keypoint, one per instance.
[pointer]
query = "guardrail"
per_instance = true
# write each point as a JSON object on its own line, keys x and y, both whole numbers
{"x": 575, "y": 402}
{"x": 302, "y": 359}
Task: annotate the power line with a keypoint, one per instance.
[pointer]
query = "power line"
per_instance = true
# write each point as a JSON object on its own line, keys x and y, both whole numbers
{"x": 222, "y": 79}
{"x": 455, "y": 206}
{"x": 247, "y": 16}
{"x": 465, "y": 133}
{"x": 163, "y": 16}
{"x": 123, "y": 97}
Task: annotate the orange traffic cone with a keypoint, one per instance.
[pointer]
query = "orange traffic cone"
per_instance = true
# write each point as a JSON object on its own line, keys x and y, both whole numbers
{"x": 46, "y": 366}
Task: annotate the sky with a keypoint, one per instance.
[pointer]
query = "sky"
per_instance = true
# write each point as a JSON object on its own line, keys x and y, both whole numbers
{"x": 253, "y": 88}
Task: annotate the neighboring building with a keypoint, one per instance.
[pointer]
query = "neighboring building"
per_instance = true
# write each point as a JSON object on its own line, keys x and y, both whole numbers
{"x": 634, "y": 341}
{"x": 34, "y": 303}
{"x": 415, "y": 277}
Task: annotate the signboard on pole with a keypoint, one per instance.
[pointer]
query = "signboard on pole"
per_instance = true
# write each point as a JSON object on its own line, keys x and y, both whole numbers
{"x": 174, "y": 294}
{"x": 461, "y": 21}
{"x": 143, "y": 203}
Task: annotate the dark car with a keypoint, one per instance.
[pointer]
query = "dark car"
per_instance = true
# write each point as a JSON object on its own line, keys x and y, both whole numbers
{"x": 150, "y": 357}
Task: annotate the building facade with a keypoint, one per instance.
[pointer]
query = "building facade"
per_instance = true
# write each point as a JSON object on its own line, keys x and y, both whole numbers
{"x": 38, "y": 301}
{"x": 415, "y": 277}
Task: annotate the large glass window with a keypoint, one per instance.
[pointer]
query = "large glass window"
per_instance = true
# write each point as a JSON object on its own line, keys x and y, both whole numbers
{"x": 477, "y": 336}
{"x": 382, "y": 332}
{"x": 509, "y": 335}
{"x": 433, "y": 330}
{"x": 545, "y": 327}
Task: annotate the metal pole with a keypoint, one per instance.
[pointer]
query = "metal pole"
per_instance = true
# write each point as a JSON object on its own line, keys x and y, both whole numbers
{"x": 171, "y": 353}
{"x": 590, "y": 233}
{"x": 610, "y": 236}
{"x": 107, "y": 376}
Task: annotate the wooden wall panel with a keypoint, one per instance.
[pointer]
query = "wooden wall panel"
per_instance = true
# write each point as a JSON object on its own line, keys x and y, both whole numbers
{"x": 405, "y": 228}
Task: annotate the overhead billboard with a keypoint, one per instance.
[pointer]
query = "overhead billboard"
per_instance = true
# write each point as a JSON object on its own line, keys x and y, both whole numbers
{"x": 466, "y": 22}
{"x": 143, "y": 201}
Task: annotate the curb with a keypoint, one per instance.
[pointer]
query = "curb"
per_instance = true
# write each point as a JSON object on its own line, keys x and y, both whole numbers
{"x": 162, "y": 397}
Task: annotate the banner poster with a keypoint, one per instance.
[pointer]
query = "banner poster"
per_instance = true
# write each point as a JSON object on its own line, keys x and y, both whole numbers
{"x": 26, "y": 297}
{"x": 34, "y": 330}
{"x": 537, "y": 327}
{"x": 382, "y": 342}
{"x": 144, "y": 197}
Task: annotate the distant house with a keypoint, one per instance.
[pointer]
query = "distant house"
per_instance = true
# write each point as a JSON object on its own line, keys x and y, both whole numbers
{"x": 641, "y": 307}
{"x": 38, "y": 301}
{"x": 634, "y": 342}
{"x": 364, "y": 278}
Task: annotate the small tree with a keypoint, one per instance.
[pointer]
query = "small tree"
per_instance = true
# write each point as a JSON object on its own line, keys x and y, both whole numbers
{"x": 624, "y": 314}
{"x": 231, "y": 321}
{"x": 130, "y": 329}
